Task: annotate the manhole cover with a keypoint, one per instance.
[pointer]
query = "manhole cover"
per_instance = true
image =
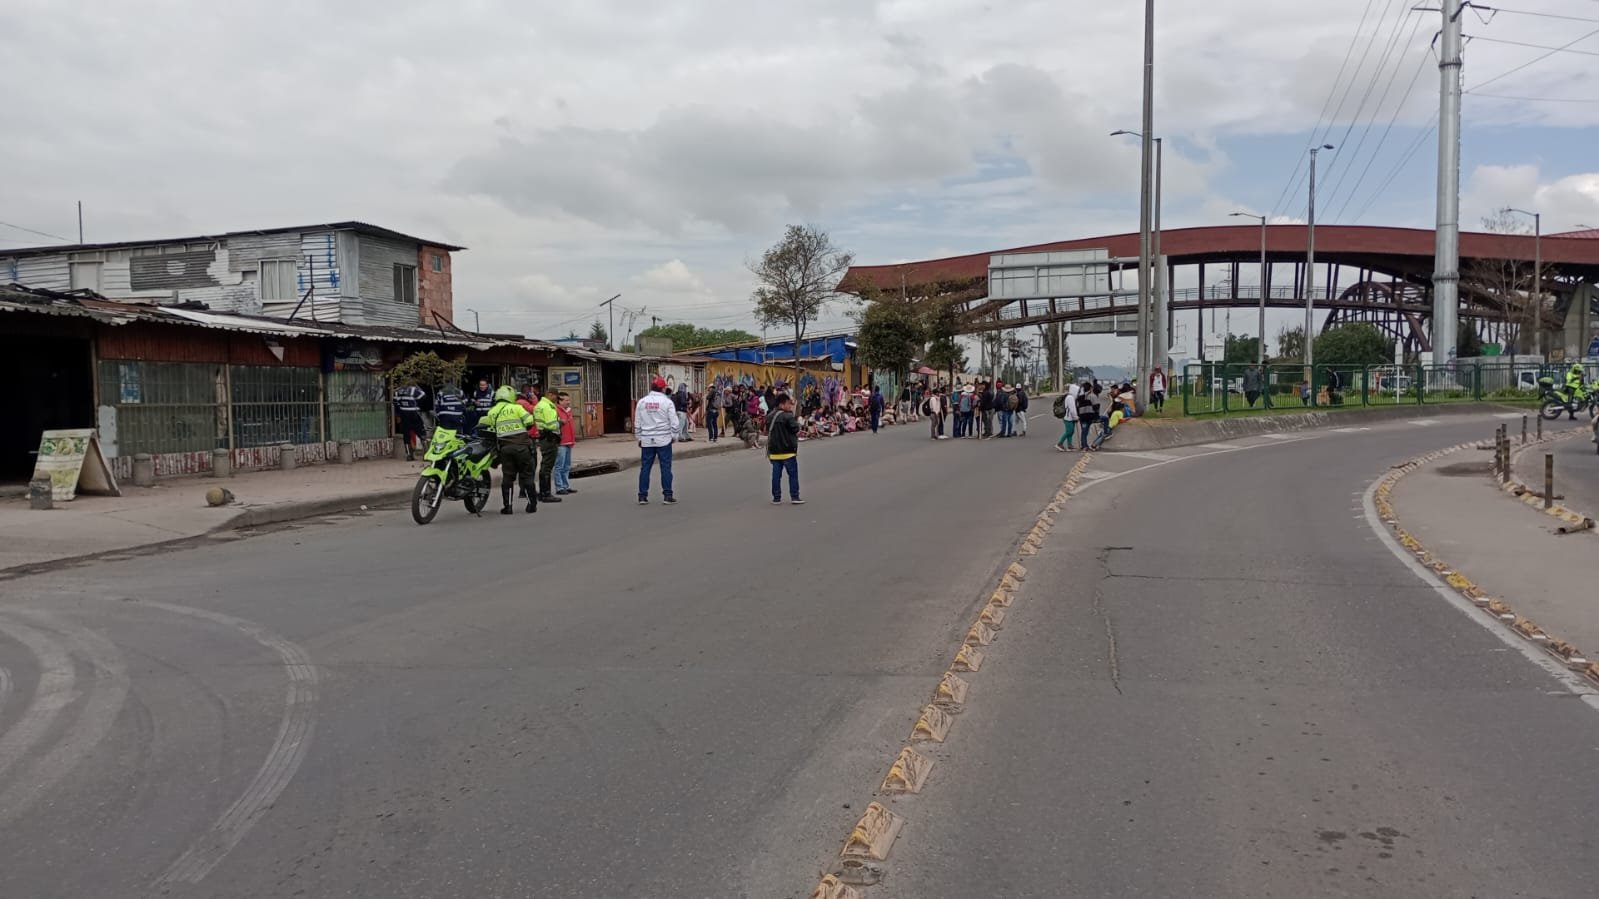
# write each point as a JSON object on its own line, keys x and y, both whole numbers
{"x": 1465, "y": 469}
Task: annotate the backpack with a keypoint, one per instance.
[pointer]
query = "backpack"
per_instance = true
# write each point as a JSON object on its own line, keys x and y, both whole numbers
{"x": 927, "y": 407}
{"x": 1012, "y": 403}
{"x": 1060, "y": 406}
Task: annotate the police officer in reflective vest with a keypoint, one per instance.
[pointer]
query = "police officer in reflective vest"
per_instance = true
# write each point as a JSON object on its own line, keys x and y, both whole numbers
{"x": 408, "y": 405}
{"x": 510, "y": 423}
{"x": 482, "y": 398}
{"x": 450, "y": 407}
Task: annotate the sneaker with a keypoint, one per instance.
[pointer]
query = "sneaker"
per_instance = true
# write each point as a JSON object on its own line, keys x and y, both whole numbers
{"x": 549, "y": 498}
{"x": 669, "y": 499}
{"x": 643, "y": 500}
{"x": 796, "y": 501}
{"x": 777, "y": 501}
{"x": 1059, "y": 448}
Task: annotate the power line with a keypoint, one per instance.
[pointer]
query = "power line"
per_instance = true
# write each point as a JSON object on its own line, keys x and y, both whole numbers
{"x": 1421, "y": 64}
{"x": 1482, "y": 84}
{"x": 1326, "y": 104}
{"x": 1432, "y": 127}
{"x": 1348, "y": 88}
{"x": 1541, "y": 15}
{"x": 1535, "y": 99}
{"x": 1565, "y": 49}
{"x": 1354, "y": 155}
{"x": 40, "y": 233}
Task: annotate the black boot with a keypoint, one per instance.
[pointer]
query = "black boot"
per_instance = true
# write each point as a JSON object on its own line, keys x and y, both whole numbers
{"x": 532, "y": 501}
{"x": 505, "y": 501}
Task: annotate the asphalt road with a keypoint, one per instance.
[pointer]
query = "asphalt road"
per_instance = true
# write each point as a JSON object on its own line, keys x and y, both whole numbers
{"x": 604, "y": 700}
{"x": 1576, "y": 471}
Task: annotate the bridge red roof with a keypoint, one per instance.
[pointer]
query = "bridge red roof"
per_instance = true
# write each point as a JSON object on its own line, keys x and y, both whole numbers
{"x": 1334, "y": 243}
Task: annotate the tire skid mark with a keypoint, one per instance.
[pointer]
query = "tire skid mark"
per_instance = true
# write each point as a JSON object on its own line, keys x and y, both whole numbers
{"x": 277, "y": 769}
{"x": 54, "y": 692}
{"x": 106, "y": 694}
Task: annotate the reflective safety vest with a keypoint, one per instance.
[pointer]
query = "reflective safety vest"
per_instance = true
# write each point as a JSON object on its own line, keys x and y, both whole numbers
{"x": 508, "y": 421}
{"x": 408, "y": 399}
{"x": 450, "y": 406}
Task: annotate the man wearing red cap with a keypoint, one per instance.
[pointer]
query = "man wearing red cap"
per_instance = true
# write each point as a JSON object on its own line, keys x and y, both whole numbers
{"x": 655, "y": 427}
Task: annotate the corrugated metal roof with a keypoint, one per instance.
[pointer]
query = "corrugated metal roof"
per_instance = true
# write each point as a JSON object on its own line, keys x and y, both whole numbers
{"x": 358, "y": 227}
{"x": 16, "y": 298}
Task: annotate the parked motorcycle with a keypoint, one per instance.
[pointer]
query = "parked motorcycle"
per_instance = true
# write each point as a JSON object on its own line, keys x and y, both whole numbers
{"x": 458, "y": 469}
{"x": 1553, "y": 403}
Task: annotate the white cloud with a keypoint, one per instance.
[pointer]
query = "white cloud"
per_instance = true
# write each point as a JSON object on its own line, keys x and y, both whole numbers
{"x": 1565, "y": 203}
{"x": 671, "y": 277}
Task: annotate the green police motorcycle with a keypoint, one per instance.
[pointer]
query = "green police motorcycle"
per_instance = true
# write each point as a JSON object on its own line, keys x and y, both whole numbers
{"x": 458, "y": 468}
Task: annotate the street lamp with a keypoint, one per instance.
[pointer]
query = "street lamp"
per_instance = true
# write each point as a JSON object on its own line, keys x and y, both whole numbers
{"x": 1310, "y": 269}
{"x": 477, "y": 327}
{"x": 1158, "y": 270}
{"x": 1537, "y": 277}
{"x": 1251, "y": 215}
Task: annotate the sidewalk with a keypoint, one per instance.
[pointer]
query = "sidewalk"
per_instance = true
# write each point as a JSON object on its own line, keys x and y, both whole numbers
{"x": 1576, "y": 470}
{"x": 175, "y": 508}
{"x": 1455, "y": 510}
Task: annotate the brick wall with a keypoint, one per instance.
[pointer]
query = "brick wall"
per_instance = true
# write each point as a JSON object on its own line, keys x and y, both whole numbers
{"x": 434, "y": 292}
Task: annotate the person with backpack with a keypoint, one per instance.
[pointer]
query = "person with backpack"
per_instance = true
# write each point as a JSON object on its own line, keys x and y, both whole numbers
{"x": 1005, "y": 399}
{"x": 1087, "y": 411}
{"x": 962, "y": 402}
{"x": 1066, "y": 410}
{"x": 1021, "y": 411}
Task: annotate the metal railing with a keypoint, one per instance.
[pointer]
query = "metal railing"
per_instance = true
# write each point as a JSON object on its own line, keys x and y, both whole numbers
{"x": 165, "y": 407}
{"x": 1220, "y": 389}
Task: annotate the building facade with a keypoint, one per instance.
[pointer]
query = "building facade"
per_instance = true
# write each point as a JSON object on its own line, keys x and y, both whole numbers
{"x": 348, "y": 273}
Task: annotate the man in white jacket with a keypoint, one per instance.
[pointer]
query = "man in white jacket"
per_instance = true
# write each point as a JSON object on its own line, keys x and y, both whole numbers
{"x": 655, "y": 426}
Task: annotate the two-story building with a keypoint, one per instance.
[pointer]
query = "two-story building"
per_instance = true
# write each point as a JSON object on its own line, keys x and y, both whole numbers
{"x": 346, "y": 272}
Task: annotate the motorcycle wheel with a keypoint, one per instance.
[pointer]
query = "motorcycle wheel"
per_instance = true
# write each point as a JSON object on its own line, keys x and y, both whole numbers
{"x": 485, "y": 484}
{"x": 425, "y": 499}
{"x": 1551, "y": 410}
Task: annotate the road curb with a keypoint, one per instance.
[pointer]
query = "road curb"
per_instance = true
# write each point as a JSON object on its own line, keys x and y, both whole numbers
{"x": 872, "y": 838}
{"x": 1578, "y": 521}
{"x": 1145, "y": 435}
{"x": 295, "y": 510}
{"x": 1502, "y": 612}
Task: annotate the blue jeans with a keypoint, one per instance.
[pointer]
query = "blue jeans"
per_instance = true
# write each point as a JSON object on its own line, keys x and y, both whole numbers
{"x": 563, "y": 468}
{"x": 1087, "y": 424}
{"x": 647, "y": 462}
{"x": 712, "y": 421}
{"x": 960, "y": 425}
{"x": 1005, "y": 420}
{"x": 792, "y": 467}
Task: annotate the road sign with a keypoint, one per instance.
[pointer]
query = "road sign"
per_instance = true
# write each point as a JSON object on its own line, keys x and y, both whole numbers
{"x": 1215, "y": 347}
{"x": 1046, "y": 276}
{"x": 1593, "y": 347}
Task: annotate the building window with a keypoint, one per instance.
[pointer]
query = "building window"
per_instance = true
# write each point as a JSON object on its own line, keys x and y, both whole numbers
{"x": 405, "y": 284}
{"x": 278, "y": 280}
{"x": 437, "y": 262}
{"x": 85, "y": 275}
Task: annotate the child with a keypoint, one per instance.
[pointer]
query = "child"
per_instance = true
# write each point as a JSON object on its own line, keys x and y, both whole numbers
{"x": 782, "y": 449}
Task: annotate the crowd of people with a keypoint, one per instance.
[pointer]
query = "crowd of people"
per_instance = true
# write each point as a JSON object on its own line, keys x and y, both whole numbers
{"x": 977, "y": 410}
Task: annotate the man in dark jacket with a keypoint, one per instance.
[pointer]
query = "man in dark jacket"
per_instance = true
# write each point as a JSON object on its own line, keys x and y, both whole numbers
{"x": 1021, "y": 411}
{"x": 985, "y": 408}
{"x": 876, "y": 404}
{"x": 782, "y": 450}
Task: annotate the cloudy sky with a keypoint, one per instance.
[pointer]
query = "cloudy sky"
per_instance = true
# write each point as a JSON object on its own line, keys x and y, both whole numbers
{"x": 650, "y": 149}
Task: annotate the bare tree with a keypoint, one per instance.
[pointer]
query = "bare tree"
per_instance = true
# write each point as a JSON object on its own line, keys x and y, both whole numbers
{"x": 799, "y": 276}
{"x": 1508, "y": 282}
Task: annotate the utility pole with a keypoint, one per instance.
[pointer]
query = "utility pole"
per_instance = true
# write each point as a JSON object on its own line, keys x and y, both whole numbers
{"x": 80, "y": 222}
{"x": 1146, "y": 189}
{"x": 1310, "y": 270}
{"x": 1446, "y": 253}
{"x": 610, "y": 335}
{"x": 1162, "y": 339}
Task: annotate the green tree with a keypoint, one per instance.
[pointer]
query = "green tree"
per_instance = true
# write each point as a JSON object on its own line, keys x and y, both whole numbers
{"x": 572, "y": 335}
{"x": 798, "y": 277}
{"x": 890, "y": 335}
{"x": 688, "y": 336}
{"x": 427, "y": 369}
{"x": 1353, "y": 346}
{"x": 597, "y": 332}
{"x": 1242, "y": 350}
{"x": 1290, "y": 345}
{"x": 941, "y": 319}
{"x": 945, "y": 354}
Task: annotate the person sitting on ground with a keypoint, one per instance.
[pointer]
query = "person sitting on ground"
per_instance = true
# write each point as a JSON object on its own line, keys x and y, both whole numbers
{"x": 1118, "y": 413}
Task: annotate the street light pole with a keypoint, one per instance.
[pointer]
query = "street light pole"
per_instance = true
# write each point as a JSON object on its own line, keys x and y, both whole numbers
{"x": 1537, "y": 278}
{"x": 1310, "y": 270}
{"x": 610, "y": 335}
{"x": 1261, "y": 356}
{"x": 477, "y": 326}
{"x": 1145, "y": 190}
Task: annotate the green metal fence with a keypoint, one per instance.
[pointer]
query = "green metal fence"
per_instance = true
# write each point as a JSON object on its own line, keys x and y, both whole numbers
{"x": 165, "y": 407}
{"x": 357, "y": 405}
{"x": 1219, "y": 389}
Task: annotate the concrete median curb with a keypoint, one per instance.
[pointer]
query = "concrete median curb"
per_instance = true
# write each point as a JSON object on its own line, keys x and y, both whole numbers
{"x": 1157, "y": 434}
{"x": 295, "y": 510}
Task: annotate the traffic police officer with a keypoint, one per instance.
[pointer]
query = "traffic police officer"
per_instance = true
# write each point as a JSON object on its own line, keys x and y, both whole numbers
{"x": 547, "y": 421}
{"x": 408, "y": 405}
{"x": 510, "y": 423}
{"x": 450, "y": 407}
